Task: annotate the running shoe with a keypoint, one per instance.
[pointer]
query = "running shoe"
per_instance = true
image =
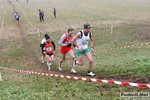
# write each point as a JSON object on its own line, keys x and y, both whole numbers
{"x": 43, "y": 61}
{"x": 90, "y": 74}
{"x": 59, "y": 67}
{"x": 73, "y": 71}
{"x": 74, "y": 63}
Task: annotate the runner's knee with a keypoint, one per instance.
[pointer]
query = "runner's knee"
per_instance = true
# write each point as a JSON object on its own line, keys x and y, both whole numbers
{"x": 91, "y": 60}
{"x": 81, "y": 63}
{"x": 62, "y": 60}
{"x": 73, "y": 57}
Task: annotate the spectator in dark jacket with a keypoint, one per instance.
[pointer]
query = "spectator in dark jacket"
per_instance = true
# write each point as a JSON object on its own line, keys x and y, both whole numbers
{"x": 40, "y": 15}
{"x": 54, "y": 11}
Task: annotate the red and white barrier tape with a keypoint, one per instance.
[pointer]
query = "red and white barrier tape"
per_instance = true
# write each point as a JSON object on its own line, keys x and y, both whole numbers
{"x": 84, "y": 79}
{"x": 131, "y": 46}
{"x": 88, "y": 79}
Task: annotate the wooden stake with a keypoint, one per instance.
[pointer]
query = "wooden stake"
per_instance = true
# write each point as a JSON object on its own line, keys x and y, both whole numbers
{"x": 111, "y": 28}
{"x": 0, "y": 77}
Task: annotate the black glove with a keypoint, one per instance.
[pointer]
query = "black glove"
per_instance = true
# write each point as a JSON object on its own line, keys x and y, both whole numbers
{"x": 74, "y": 45}
{"x": 41, "y": 45}
{"x": 69, "y": 45}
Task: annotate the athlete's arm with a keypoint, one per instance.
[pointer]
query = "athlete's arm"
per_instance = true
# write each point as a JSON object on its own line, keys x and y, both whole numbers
{"x": 61, "y": 40}
{"x": 92, "y": 42}
{"x": 73, "y": 40}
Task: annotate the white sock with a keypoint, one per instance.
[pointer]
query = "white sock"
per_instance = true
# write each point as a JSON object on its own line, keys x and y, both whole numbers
{"x": 48, "y": 64}
{"x": 42, "y": 58}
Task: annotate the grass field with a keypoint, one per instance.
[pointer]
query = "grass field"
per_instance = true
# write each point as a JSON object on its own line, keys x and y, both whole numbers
{"x": 114, "y": 23}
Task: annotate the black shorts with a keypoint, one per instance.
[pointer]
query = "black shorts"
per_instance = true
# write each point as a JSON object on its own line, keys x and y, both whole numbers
{"x": 50, "y": 54}
{"x": 17, "y": 19}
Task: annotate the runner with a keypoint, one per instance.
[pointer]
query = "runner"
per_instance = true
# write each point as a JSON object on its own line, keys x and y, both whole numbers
{"x": 14, "y": 13}
{"x": 16, "y": 16}
{"x": 65, "y": 48}
{"x": 80, "y": 40}
{"x": 49, "y": 51}
{"x": 42, "y": 42}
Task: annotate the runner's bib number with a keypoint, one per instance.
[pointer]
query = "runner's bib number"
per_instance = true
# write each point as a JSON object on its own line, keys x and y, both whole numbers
{"x": 49, "y": 49}
{"x": 85, "y": 43}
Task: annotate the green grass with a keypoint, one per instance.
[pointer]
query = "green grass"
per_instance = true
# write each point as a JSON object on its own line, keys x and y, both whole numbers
{"x": 130, "y": 20}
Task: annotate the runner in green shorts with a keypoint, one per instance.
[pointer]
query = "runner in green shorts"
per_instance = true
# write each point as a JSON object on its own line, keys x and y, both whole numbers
{"x": 84, "y": 51}
{"x": 80, "y": 40}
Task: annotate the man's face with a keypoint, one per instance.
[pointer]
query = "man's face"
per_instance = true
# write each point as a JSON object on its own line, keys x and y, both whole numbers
{"x": 48, "y": 40}
{"x": 71, "y": 33}
{"x": 87, "y": 30}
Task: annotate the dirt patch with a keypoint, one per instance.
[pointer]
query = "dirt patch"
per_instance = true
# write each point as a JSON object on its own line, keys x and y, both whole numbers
{"x": 143, "y": 36}
{"x": 26, "y": 46}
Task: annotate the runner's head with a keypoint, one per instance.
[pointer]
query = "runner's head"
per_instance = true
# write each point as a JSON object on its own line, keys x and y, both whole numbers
{"x": 45, "y": 35}
{"x": 70, "y": 32}
{"x": 48, "y": 39}
{"x": 87, "y": 27}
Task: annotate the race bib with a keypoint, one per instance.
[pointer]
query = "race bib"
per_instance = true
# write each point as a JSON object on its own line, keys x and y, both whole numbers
{"x": 49, "y": 49}
{"x": 84, "y": 43}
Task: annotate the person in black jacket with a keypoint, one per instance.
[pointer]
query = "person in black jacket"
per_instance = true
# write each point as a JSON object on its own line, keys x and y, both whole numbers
{"x": 40, "y": 15}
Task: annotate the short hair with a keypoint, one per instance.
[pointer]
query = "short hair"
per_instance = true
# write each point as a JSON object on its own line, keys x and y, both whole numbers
{"x": 45, "y": 35}
{"x": 87, "y": 26}
{"x": 70, "y": 29}
{"x": 48, "y": 37}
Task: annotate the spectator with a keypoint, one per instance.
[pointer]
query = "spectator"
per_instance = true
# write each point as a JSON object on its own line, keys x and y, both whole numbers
{"x": 54, "y": 11}
{"x": 40, "y": 15}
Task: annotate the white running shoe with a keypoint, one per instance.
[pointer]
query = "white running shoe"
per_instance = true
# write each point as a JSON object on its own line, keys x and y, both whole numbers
{"x": 74, "y": 63}
{"x": 73, "y": 71}
{"x": 90, "y": 74}
{"x": 59, "y": 67}
{"x": 43, "y": 61}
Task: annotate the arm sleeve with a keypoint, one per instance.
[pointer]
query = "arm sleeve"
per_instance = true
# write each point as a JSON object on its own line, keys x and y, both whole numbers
{"x": 53, "y": 45}
{"x": 61, "y": 40}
